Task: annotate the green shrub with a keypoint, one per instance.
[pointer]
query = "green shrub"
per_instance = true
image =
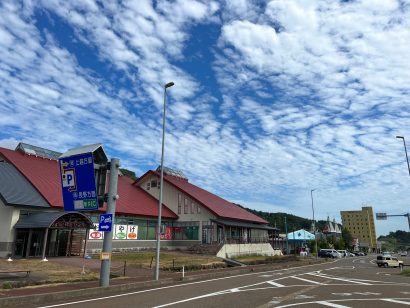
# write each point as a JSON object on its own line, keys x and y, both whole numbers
{"x": 7, "y": 285}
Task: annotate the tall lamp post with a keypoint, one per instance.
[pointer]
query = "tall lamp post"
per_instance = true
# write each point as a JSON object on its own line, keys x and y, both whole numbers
{"x": 314, "y": 224}
{"x": 168, "y": 85}
{"x": 405, "y": 150}
{"x": 408, "y": 167}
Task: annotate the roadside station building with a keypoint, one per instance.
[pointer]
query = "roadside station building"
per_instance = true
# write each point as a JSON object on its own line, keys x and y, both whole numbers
{"x": 33, "y": 223}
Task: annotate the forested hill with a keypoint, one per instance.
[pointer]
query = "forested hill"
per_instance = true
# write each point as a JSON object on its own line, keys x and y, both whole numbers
{"x": 399, "y": 240}
{"x": 293, "y": 222}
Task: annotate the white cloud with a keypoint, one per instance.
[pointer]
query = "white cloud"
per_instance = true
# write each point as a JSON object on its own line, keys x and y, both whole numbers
{"x": 305, "y": 94}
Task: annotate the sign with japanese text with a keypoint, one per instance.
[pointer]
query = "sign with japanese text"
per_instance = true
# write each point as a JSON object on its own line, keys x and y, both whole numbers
{"x": 78, "y": 182}
{"x": 120, "y": 232}
{"x": 95, "y": 234}
{"x": 132, "y": 232}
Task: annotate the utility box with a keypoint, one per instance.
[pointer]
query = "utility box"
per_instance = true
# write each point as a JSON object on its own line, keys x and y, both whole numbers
{"x": 83, "y": 173}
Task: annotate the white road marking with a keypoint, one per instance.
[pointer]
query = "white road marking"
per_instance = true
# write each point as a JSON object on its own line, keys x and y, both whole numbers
{"x": 275, "y": 283}
{"x": 337, "y": 278}
{"x": 307, "y": 280}
{"x": 340, "y": 267}
{"x": 360, "y": 260}
{"x": 325, "y": 303}
{"x": 342, "y": 294}
{"x": 345, "y": 300}
{"x": 178, "y": 286}
{"x": 303, "y": 296}
{"x": 396, "y": 301}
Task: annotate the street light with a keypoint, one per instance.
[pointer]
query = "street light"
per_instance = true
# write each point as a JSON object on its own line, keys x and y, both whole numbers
{"x": 168, "y": 85}
{"x": 314, "y": 224}
{"x": 405, "y": 150}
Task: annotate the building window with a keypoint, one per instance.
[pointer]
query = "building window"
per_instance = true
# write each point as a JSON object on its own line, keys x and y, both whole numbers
{"x": 185, "y": 206}
{"x": 192, "y": 207}
{"x": 179, "y": 203}
{"x": 148, "y": 186}
{"x": 154, "y": 183}
{"x": 198, "y": 209}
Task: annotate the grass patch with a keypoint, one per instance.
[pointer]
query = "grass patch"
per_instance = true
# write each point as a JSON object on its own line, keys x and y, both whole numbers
{"x": 45, "y": 273}
{"x": 258, "y": 259}
{"x": 405, "y": 273}
{"x": 168, "y": 260}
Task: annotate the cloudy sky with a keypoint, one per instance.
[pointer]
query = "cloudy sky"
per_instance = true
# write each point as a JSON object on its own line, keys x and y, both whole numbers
{"x": 271, "y": 98}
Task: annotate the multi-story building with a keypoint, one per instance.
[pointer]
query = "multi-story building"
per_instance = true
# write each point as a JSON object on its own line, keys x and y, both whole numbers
{"x": 361, "y": 226}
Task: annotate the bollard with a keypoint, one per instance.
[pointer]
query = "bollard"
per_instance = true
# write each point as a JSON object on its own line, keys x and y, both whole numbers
{"x": 152, "y": 259}
{"x": 183, "y": 271}
{"x": 125, "y": 265}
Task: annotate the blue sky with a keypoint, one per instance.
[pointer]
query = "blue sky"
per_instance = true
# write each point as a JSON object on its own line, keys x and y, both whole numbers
{"x": 271, "y": 98}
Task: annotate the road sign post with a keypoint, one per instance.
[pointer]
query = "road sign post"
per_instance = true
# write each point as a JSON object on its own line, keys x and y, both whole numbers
{"x": 78, "y": 182}
{"x": 107, "y": 243}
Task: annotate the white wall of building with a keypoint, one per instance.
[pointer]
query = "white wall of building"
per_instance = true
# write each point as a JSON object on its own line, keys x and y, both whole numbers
{"x": 9, "y": 215}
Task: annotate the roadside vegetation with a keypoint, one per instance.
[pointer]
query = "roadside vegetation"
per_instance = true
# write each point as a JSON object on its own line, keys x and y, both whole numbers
{"x": 405, "y": 273}
{"x": 169, "y": 261}
{"x": 42, "y": 273}
{"x": 258, "y": 259}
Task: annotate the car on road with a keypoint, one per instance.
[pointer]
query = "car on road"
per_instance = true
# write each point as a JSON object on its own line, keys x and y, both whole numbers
{"x": 403, "y": 254}
{"x": 388, "y": 261}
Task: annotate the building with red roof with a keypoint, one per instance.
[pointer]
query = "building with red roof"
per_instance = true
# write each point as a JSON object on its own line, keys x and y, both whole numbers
{"x": 33, "y": 222}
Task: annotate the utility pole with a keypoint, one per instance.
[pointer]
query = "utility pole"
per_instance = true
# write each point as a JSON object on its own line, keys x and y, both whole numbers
{"x": 287, "y": 242}
{"x": 111, "y": 202}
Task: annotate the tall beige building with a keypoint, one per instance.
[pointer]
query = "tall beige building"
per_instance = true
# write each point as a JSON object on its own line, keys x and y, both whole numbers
{"x": 361, "y": 225}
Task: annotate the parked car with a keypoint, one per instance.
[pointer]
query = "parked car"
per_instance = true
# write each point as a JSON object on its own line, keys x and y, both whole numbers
{"x": 403, "y": 254}
{"x": 343, "y": 253}
{"x": 329, "y": 253}
{"x": 388, "y": 261}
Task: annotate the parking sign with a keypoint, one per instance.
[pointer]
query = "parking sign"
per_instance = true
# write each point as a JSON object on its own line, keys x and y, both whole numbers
{"x": 78, "y": 182}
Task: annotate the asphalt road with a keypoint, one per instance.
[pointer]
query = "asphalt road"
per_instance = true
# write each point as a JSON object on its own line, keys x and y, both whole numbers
{"x": 348, "y": 282}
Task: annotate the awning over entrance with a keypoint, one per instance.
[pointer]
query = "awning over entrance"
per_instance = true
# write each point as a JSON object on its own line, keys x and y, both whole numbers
{"x": 57, "y": 220}
{"x": 232, "y": 223}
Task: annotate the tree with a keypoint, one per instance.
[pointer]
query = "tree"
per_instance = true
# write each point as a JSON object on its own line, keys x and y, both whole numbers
{"x": 347, "y": 238}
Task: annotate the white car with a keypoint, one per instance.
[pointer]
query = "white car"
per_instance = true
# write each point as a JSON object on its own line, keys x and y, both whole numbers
{"x": 403, "y": 254}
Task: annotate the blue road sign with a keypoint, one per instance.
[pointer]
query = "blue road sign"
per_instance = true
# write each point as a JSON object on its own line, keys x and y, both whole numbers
{"x": 78, "y": 182}
{"x": 105, "y": 224}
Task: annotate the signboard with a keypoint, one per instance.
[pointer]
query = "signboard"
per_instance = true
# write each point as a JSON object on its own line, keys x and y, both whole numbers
{"x": 381, "y": 216}
{"x": 105, "y": 224}
{"x": 95, "y": 234}
{"x": 120, "y": 232}
{"x": 78, "y": 182}
{"x": 132, "y": 232}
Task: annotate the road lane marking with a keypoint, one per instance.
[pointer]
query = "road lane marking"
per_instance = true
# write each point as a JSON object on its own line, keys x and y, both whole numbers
{"x": 307, "y": 280}
{"x": 337, "y": 278}
{"x": 275, "y": 283}
{"x": 345, "y": 300}
{"x": 325, "y": 303}
{"x": 396, "y": 301}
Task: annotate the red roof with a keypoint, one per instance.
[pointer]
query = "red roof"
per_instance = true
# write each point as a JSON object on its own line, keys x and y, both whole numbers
{"x": 44, "y": 175}
{"x": 218, "y": 206}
